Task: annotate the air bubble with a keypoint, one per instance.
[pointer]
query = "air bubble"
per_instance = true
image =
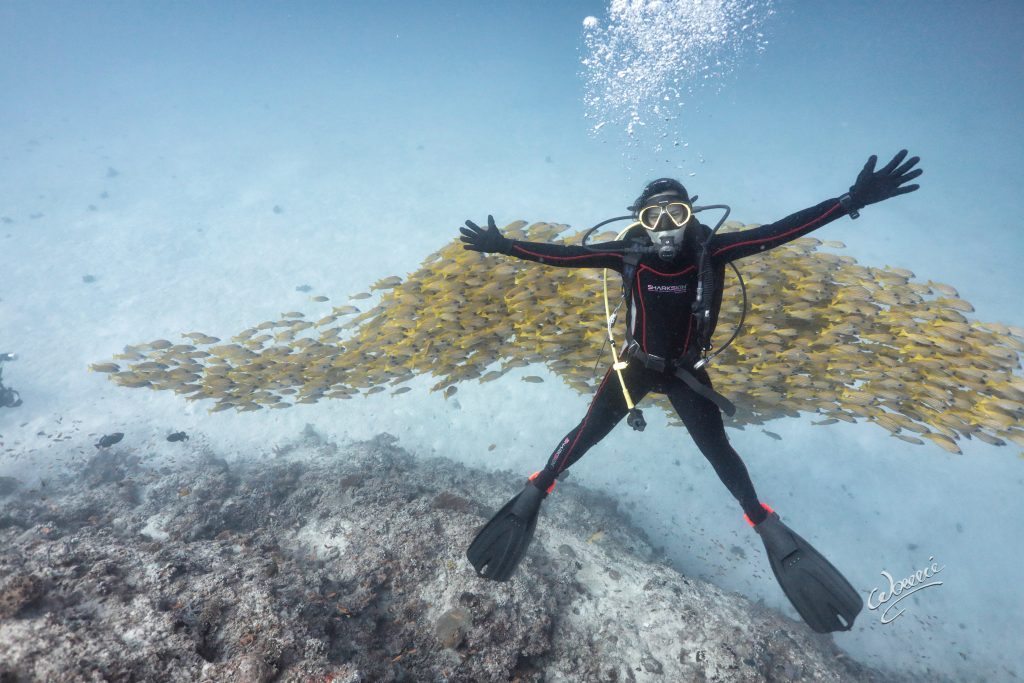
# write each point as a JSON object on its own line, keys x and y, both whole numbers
{"x": 645, "y": 53}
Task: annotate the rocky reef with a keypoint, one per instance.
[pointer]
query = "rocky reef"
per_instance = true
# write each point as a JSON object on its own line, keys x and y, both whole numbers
{"x": 319, "y": 562}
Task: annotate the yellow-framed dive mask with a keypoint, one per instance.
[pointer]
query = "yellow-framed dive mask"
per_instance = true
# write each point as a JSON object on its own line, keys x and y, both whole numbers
{"x": 678, "y": 212}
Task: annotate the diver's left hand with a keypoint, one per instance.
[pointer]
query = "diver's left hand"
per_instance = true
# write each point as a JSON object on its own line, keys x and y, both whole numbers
{"x": 873, "y": 186}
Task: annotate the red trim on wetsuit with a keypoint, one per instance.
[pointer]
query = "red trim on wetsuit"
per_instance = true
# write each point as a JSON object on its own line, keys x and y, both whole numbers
{"x": 778, "y": 237}
{"x": 689, "y": 333}
{"x": 638, "y": 288}
{"x": 643, "y": 309}
{"x": 583, "y": 425}
{"x": 684, "y": 271}
{"x": 565, "y": 258}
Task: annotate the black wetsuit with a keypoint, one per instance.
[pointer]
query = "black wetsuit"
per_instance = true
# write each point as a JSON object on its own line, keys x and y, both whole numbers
{"x": 659, "y": 316}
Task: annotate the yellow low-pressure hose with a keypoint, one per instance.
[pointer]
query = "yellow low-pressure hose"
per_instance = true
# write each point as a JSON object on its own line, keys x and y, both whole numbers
{"x": 617, "y": 365}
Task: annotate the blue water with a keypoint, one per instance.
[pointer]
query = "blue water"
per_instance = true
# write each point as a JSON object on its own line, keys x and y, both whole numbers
{"x": 379, "y": 127}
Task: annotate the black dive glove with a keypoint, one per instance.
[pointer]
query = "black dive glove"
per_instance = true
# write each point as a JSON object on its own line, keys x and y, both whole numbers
{"x": 488, "y": 241}
{"x": 873, "y": 186}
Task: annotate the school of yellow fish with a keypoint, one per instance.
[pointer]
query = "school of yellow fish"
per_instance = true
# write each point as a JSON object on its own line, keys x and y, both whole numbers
{"x": 823, "y": 335}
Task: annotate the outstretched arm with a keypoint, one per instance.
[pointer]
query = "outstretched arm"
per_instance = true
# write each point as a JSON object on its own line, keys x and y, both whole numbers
{"x": 490, "y": 240}
{"x": 870, "y": 187}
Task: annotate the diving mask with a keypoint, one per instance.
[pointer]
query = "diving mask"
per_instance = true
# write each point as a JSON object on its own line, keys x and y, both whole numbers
{"x": 678, "y": 212}
{"x": 666, "y": 238}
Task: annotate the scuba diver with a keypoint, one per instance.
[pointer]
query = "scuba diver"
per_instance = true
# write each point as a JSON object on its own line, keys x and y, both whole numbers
{"x": 673, "y": 271}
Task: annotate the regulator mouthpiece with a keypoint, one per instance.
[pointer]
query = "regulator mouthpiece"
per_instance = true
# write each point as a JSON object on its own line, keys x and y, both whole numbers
{"x": 667, "y": 249}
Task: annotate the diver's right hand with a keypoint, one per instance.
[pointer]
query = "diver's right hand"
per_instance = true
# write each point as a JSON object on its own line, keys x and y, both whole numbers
{"x": 487, "y": 241}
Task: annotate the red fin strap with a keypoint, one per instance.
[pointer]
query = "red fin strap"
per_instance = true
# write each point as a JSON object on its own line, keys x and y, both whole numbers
{"x": 765, "y": 506}
{"x": 537, "y": 474}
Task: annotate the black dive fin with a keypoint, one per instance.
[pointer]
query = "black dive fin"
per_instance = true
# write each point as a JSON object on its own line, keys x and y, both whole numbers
{"x": 825, "y": 600}
{"x": 500, "y": 545}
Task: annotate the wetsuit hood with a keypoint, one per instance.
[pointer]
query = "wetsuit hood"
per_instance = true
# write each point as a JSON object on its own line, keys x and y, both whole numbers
{"x": 660, "y": 186}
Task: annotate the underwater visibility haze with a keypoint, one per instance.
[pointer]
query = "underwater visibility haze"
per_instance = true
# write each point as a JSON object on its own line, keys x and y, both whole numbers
{"x": 284, "y": 286}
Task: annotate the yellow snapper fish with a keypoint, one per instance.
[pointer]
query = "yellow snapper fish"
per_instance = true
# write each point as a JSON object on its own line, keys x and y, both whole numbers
{"x": 823, "y": 335}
